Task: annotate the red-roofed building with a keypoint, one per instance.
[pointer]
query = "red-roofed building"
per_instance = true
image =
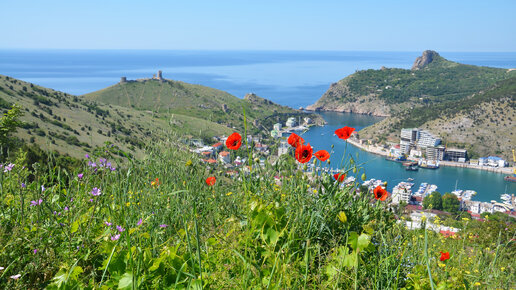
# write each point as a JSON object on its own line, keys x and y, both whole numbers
{"x": 210, "y": 161}
{"x": 224, "y": 156}
{"x": 447, "y": 234}
{"x": 217, "y": 146}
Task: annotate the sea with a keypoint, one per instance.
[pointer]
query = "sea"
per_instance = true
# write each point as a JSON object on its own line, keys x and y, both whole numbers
{"x": 292, "y": 78}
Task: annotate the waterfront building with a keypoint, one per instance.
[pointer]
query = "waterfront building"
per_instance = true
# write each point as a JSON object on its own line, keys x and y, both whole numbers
{"x": 427, "y": 139}
{"x": 414, "y": 153}
{"x": 457, "y": 155}
{"x": 410, "y": 135}
{"x": 435, "y": 153}
{"x": 277, "y": 126}
{"x": 291, "y": 122}
{"x": 405, "y": 147}
{"x": 492, "y": 161}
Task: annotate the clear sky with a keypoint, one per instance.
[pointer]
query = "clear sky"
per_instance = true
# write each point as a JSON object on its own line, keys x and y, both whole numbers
{"x": 387, "y": 25}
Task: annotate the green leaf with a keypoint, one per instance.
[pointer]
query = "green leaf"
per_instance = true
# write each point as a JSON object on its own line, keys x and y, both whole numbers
{"x": 75, "y": 226}
{"x": 363, "y": 241}
{"x": 352, "y": 240}
{"x": 126, "y": 281}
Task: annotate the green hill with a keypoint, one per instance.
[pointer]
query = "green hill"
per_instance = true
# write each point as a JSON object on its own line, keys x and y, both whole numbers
{"x": 484, "y": 122}
{"x": 166, "y": 97}
{"x": 432, "y": 80}
{"x": 72, "y": 125}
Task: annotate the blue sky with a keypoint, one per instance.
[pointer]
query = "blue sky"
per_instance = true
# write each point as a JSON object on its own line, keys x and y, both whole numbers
{"x": 260, "y": 25}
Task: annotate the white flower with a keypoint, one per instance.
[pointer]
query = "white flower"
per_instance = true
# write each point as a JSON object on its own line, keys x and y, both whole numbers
{"x": 1, "y": 268}
{"x": 15, "y": 277}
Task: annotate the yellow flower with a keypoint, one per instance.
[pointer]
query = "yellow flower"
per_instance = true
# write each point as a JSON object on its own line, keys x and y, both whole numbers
{"x": 467, "y": 272}
{"x": 477, "y": 284}
{"x": 342, "y": 217}
{"x": 128, "y": 204}
{"x": 442, "y": 265}
{"x": 229, "y": 193}
{"x": 423, "y": 218}
{"x": 188, "y": 163}
{"x": 502, "y": 269}
{"x": 465, "y": 219}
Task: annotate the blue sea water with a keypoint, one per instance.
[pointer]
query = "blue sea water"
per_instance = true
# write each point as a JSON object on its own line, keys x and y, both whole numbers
{"x": 488, "y": 185}
{"x": 293, "y": 78}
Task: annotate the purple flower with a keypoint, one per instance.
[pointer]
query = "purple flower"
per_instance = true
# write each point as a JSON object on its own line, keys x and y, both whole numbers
{"x": 112, "y": 168}
{"x": 66, "y": 208}
{"x": 34, "y": 203}
{"x": 120, "y": 228}
{"x": 23, "y": 185}
{"x": 92, "y": 164}
{"x": 91, "y": 199}
{"x": 8, "y": 167}
{"x": 42, "y": 188}
{"x": 96, "y": 192}
{"x": 140, "y": 221}
{"x": 87, "y": 156}
{"x": 163, "y": 226}
{"x": 80, "y": 175}
{"x": 102, "y": 161}
{"x": 108, "y": 224}
{"x": 35, "y": 251}
{"x": 115, "y": 237}
{"x": 71, "y": 199}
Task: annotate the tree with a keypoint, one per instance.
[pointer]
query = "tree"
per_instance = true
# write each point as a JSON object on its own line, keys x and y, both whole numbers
{"x": 450, "y": 203}
{"x": 433, "y": 201}
{"x": 8, "y": 124}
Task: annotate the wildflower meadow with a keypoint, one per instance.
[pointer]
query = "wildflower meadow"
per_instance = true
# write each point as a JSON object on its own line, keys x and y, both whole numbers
{"x": 167, "y": 220}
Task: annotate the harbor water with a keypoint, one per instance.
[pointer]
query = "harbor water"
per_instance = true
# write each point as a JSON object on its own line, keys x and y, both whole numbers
{"x": 488, "y": 185}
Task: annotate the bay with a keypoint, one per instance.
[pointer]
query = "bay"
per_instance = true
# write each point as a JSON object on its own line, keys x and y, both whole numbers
{"x": 489, "y": 185}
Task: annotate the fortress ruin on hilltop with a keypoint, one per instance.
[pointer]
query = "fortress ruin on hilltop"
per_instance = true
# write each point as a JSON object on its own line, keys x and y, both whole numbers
{"x": 158, "y": 77}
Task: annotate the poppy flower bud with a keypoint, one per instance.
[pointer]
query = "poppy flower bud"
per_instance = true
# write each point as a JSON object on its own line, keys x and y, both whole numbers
{"x": 363, "y": 177}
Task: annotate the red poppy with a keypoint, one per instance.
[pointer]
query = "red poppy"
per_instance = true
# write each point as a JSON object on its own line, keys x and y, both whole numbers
{"x": 339, "y": 176}
{"x": 155, "y": 182}
{"x": 234, "y": 141}
{"x": 295, "y": 140}
{"x": 380, "y": 193}
{"x": 444, "y": 256}
{"x": 304, "y": 153}
{"x": 211, "y": 180}
{"x": 344, "y": 133}
{"x": 322, "y": 155}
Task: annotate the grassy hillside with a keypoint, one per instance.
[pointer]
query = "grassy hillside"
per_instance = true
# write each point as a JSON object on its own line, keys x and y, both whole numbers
{"x": 390, "y": 90}
{"x": 73, "y": 125}
{"x": 484, "y": 122}
{"x": 174, "y": 97}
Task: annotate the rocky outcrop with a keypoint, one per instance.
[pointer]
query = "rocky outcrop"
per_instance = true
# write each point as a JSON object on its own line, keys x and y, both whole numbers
{"x": 367, "y": 105}
{"x": 427, "y": 57}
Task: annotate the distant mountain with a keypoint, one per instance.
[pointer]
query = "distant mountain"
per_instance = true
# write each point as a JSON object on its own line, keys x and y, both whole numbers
{"x": 165, "y": 97}
{"x": 73, "y": 125}
{"x": 483, "y": 122}
{"x": 388, "y": 91}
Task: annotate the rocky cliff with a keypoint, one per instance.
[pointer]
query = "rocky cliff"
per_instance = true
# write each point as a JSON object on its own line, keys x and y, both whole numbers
{"x": 427, "y": 57}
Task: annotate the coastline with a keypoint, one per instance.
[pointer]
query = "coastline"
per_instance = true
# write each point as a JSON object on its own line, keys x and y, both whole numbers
{"x": 382, "y": 152}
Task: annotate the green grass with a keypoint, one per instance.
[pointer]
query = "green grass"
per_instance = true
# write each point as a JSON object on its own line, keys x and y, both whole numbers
{"x": 252, "y": 232}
